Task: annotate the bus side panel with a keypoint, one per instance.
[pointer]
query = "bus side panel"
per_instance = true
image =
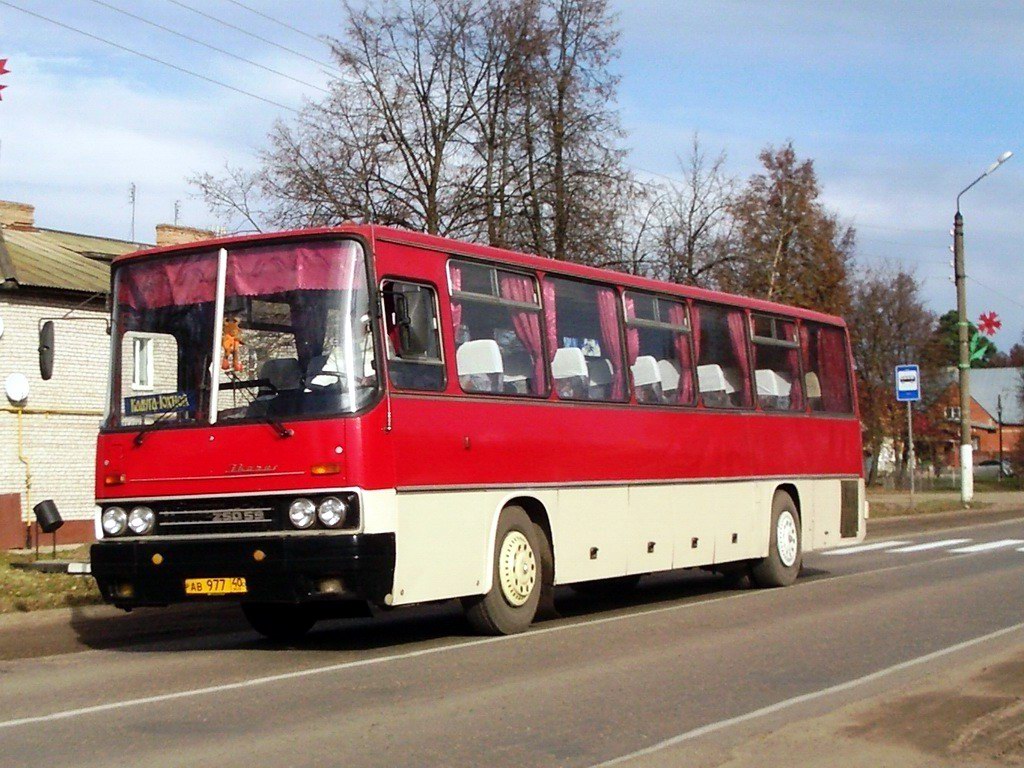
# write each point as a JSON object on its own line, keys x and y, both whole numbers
{"x": 649, "y": 525}
{"x": 442, "y": 544}
{"x": 590, "y": 529}
{"x": 741, "y": 524}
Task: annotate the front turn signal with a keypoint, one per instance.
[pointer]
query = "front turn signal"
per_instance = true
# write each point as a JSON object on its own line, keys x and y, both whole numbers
{"x": 326, "y": 469}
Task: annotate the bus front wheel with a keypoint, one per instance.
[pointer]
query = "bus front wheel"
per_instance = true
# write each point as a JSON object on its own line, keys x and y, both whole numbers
{"x": 280, "y": 622}
{"x": 517, "y": 577}
{"x": 785, "y": 552}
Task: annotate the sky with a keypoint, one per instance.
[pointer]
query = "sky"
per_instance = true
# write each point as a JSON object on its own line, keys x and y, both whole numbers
{"x": 900, "y": 104}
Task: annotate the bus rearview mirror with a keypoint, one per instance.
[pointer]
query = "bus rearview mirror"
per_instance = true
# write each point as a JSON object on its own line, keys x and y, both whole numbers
{"x": 46, "y": 350}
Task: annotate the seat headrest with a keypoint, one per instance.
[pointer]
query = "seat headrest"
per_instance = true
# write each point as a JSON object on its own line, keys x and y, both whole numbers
{"x": 812, "y": 385}
{"x": 646, "y": 372}
{"x": 479, "y": 356}
{"x": 669, "y": 375}
{"x": 282, "y": 373}
{"x": 771, "y": 382}
{"x": 569, "y": 362}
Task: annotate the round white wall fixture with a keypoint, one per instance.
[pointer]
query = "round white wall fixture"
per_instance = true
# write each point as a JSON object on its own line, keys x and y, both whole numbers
{"x": 16, "y": 387}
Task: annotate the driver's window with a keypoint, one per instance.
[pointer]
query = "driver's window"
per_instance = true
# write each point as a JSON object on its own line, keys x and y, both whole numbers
{"x": 421, "y": 368}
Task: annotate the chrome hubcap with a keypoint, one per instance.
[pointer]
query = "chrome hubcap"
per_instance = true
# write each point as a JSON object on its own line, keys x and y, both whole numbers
{"x": 517, "y": 568}
{"x": 786, "y": 538}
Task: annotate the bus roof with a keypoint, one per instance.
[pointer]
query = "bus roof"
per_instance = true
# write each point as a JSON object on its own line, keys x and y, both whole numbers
{"x": 450, "y": 247}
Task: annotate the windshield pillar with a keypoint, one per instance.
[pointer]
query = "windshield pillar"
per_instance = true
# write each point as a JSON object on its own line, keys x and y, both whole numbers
{"x": 218, "y": 332}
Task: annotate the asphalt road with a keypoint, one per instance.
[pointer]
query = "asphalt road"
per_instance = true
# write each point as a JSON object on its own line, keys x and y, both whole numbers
{"x": 683, "y": 672}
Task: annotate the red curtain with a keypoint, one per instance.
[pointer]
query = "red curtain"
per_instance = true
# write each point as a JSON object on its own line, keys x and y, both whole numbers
{"x": 737, "y": 321}
{"x": 526, "y": 323}
{"x": 796, "y": 392}
{"x": 677, "y": 316}
{"x": 632, "y": 333}
{"x": 550, "y": 318}
{"x": 175, "y": 282}
{"x": 611, "y": 343}
{"x": 835, "y": 390}
{"x": 456, "y": 276}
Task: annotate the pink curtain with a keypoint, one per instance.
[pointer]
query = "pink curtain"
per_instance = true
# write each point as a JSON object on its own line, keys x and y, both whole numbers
{"x": 526, "y": 323}
{"x": 550, "y": 318}
{"x": 456, "y": 274}
{"x": 611, "y": 343}
{"x": 677, "y": 316}
{"x": 737, "y": 321}
{"x": 316, "y": 265}
{"x": 835, "y": 389}
{"x": 632, "y": 333}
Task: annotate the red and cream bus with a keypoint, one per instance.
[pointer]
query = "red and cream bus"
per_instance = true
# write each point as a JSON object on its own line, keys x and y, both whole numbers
{"x": 304, "y": 421}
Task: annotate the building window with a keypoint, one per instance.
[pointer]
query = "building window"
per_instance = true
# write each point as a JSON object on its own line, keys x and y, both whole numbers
{"x": 953, "y": 413}
{"x": 142, "y": 370}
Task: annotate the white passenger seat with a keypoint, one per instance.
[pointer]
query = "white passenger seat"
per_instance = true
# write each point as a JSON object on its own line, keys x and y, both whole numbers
{"x": 480, "y": 366}
{"x": 773, "y": 388}
{"x": 569, "y": 370}
{"x": 669, "y": 380}
{"x": 716, "y": 385}
{"x": 646, "y": 379}
{"x": 812, "y": 387}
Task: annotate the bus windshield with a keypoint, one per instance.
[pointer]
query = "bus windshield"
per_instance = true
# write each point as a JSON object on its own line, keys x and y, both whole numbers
{"x": 293, "y": 339}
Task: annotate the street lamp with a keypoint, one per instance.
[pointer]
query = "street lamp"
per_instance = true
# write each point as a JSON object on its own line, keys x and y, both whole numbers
{"x": 966, "y": 448}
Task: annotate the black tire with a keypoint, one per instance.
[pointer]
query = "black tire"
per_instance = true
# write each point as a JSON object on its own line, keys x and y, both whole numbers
{"x": 619, "y": 586}
{"x": 280, "y": 622}
{"x": 510, "y": 607}
{"x": 781, "y": 570}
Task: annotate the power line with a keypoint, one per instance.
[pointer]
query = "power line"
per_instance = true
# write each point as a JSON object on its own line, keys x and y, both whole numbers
{"x": 253, "y": 35}
{"x": 148, "y": 57}
{"x": 284, "y": 24}
{"x": 996, "y": 292}
{"x": 182, "y": 35}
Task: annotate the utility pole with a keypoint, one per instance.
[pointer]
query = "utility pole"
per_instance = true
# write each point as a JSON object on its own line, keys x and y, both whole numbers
{"x": 966, "y": 447}
{"x": 999, "y": 415}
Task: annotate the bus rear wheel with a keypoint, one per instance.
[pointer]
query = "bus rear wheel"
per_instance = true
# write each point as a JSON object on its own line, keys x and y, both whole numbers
{"x": 280, "y": 622}
{"x": 785, "y": 551}
{"x": 517, "y": 577}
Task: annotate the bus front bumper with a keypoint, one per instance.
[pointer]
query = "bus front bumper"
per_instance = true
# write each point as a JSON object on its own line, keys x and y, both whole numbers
{"x": 275, "y": 569}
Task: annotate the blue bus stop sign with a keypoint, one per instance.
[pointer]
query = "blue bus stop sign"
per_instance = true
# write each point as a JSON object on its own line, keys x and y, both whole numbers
{"x": 908, "y": 383}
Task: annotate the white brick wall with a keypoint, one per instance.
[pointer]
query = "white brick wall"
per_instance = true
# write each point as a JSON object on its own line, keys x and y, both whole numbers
{"x": 61, "y": 448}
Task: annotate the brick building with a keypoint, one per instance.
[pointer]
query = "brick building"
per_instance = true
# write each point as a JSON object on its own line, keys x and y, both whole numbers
{"x": 994, "y": 391}
{"x": 48, "y": 441}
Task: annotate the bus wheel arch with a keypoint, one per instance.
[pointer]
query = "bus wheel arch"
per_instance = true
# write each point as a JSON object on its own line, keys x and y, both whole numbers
{"x": 516, "y": 566}
{"x": 785, "y": 542}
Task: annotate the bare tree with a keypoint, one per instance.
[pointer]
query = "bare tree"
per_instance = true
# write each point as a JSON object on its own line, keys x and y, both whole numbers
{"x": 889, "y": 325}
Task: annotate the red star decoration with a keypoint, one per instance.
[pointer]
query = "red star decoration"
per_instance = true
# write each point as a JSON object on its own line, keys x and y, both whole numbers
{"x": 1, "y": 95}
{"x": 989, "y": 323}
{"x": 3, "y": 67}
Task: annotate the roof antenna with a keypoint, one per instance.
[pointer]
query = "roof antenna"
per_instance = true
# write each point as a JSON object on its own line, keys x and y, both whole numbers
{"x": 131, "y": 201}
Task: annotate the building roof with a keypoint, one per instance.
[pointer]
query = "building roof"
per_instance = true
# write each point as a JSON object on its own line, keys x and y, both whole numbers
{"x": 49, "y": 258}
{"x": 987, "y": 384}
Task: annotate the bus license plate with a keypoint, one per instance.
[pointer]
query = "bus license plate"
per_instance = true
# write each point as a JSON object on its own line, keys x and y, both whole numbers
{"x": 216, "y": 586}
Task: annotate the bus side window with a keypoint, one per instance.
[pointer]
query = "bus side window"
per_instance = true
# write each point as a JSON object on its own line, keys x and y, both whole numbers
{"x": 827, "y": 375}
{"x": 777, "y": 364}
{"x": 419, "y": 370}
{"x": 723, "y": 368}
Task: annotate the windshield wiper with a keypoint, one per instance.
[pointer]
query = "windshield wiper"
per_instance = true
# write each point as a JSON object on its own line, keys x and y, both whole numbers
{"x": 279, "y": 427}
{"x": 147, "y": 428}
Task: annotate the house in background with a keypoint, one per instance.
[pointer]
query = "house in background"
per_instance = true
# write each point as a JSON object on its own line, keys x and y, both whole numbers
{"x": 994, "y": 391}
{"x": 48, "y": 440}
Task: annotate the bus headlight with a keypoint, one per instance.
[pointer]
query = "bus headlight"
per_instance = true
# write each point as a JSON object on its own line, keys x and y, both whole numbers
{"x": 302, "y": 513}
{"x": 141, "y": 520}
{"x": 332, "y": 511}
{"x": 114, "y": 521}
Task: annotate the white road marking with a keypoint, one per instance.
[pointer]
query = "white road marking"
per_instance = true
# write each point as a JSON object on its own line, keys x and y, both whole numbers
{"x": 931, "y": 545}
{"x": 257, "y": 681}
{"x": 864, "y": 547}
{"x": 987, "y": 546}
{"x": 787, "y": 703}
